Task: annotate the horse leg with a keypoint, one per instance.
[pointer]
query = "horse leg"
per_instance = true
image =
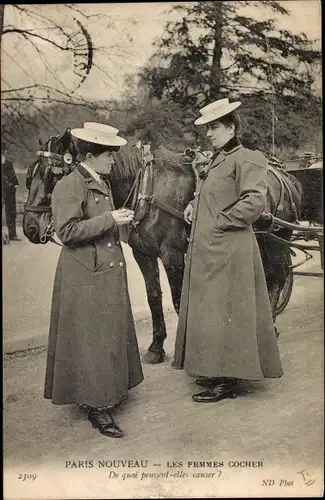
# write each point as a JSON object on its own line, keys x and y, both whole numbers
{"x": 274, "y": 294}
{"x": 277, "y": 279}
{"x": 273, "y": 270}
{"x": 173, "y": 261}
{"x": 150, "y": 271}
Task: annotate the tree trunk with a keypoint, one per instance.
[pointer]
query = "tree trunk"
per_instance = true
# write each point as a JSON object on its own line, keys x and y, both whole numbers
{"x": 215, "y": 75}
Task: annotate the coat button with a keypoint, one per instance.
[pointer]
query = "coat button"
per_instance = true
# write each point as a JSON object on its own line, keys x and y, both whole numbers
{"x": 111, "y": 264}
{"x": 121, "y": 264}
{"x": 96, "y": 200}
{"x": 109, "y": 245}
{"x": 117, "y": 242}
{"x": 106, "y": 198}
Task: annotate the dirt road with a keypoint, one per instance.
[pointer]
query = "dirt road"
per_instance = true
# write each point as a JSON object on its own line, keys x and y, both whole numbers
{"x": 278, "y": 426}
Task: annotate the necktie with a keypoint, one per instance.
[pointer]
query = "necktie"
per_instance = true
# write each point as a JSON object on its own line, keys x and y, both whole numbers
{"x": 104, "y": 180}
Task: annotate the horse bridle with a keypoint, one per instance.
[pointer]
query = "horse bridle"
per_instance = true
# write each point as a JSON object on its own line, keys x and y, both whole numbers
{"x": 67, "y": 161}
{"x": 147, "y": 159}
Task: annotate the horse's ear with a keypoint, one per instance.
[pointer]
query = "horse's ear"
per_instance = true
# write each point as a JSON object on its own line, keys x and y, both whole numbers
{"x": 67, "y": 132}
{"x": 66, "y": 138}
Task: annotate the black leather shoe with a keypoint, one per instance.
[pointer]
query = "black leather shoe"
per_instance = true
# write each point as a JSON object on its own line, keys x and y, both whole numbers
{"x": 216, "y": 394}
{"x": 104, "y": 422}
{"x": 209, "y": 382}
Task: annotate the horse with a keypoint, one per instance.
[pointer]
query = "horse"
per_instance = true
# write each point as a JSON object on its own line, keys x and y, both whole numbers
{"x": 161, "y": 231}
{"x": 160, "y": 234}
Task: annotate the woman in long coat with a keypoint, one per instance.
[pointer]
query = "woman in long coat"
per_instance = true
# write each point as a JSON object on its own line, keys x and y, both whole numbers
{"x": 225, "y": 331}
{"x": 93, "y": 357}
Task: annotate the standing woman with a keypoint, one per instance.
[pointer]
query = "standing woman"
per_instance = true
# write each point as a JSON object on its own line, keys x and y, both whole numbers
{"x": 93, "y": 357}
{"x": 225, "y": 331}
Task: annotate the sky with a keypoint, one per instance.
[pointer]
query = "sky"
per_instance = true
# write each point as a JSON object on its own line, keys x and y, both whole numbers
{"x": 123, "y": 37}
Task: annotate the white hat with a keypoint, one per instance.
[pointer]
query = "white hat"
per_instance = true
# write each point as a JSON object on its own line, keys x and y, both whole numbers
{"x": 216, "y": 110}
{"x": 99, "y": 133}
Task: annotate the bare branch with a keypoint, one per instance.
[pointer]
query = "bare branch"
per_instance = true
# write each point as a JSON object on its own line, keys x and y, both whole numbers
{"x": 38, "y": 16}
{"x": 87, "y": 16}
{"x": 28, "y": 33}
{"x": 51, "y": 100}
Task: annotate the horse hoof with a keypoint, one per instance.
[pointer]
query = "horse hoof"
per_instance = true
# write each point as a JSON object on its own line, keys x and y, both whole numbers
{"x": 152, "y": 358}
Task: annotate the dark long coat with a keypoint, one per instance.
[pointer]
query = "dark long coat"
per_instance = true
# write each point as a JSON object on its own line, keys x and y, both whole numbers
{"x": 225, "y": 326}
{"x": 9, "y": 178}
{"x": 93, "y": 355}
{"x": 9, "y": 183}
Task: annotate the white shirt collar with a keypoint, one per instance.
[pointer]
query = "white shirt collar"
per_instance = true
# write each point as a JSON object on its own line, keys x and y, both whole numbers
{"x": 92, "y": 173}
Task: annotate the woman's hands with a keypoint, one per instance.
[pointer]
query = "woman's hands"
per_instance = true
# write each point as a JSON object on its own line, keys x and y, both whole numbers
{"x": 188, "y": 213}
{"x": 122, "y": 216}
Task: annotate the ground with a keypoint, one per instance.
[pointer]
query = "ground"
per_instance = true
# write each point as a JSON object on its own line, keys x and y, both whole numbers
{"x": 277, "y": 426}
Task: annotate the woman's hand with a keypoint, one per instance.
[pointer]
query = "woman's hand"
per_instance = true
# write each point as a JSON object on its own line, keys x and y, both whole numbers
{"x": 122, "y": 216}
{"x": 188, "y": 213}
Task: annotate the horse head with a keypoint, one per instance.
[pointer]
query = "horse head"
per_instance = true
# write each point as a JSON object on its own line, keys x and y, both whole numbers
{"x": 197, "y": 159}
{"x": 54, "y": 160}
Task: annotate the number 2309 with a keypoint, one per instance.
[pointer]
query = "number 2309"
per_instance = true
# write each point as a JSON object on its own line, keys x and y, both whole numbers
{"x": 26, "y": 477}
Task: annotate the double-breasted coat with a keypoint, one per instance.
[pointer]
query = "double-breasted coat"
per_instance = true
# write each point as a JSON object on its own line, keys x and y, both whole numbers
{"x": 93, "y": 355}
{"x": 225, "y": 326}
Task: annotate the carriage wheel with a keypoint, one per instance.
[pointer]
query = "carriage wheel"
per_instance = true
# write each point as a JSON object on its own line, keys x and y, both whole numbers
{"x": 287, "y": 289}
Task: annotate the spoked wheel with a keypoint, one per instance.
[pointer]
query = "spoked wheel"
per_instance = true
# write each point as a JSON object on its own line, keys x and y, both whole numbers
{"x": 287, "y": 289}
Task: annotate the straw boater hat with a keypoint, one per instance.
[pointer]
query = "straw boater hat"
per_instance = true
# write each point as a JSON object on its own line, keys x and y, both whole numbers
{"x": 99, "y": 133}
{"x": 216, "y": 110}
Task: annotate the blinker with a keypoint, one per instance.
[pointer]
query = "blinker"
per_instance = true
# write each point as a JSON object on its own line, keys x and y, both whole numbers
{"x": 67, "y": 158}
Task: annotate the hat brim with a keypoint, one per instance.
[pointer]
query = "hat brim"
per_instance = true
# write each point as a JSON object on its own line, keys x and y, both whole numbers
{"x": 212, "y": 116}
{"x": 214, "y": 105}
{"x": 96, "y": 137}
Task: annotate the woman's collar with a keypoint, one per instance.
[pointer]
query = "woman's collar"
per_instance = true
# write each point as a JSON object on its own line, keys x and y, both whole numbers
{"x": 92, "y": 172}
{"x": 232, "y": 144}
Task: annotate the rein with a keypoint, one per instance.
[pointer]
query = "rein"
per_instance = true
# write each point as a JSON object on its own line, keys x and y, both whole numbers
{"x": 284, "y": 186}
{"x": 146, "y": 196}
{"x": 143, "y": 183}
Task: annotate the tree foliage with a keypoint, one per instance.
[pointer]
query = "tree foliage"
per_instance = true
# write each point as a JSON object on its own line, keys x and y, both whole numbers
{"x": 216, "y": 49}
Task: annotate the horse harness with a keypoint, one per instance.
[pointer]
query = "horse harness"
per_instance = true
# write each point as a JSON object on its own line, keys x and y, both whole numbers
{"x": 52, "y": 168}
{"x": 284, "y": 187}
{"x": 141, "y": 191}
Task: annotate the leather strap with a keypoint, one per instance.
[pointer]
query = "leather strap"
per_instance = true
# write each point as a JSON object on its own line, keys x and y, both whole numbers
{"x": 284, "y": 186}
{"x": 167, "y": 208}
